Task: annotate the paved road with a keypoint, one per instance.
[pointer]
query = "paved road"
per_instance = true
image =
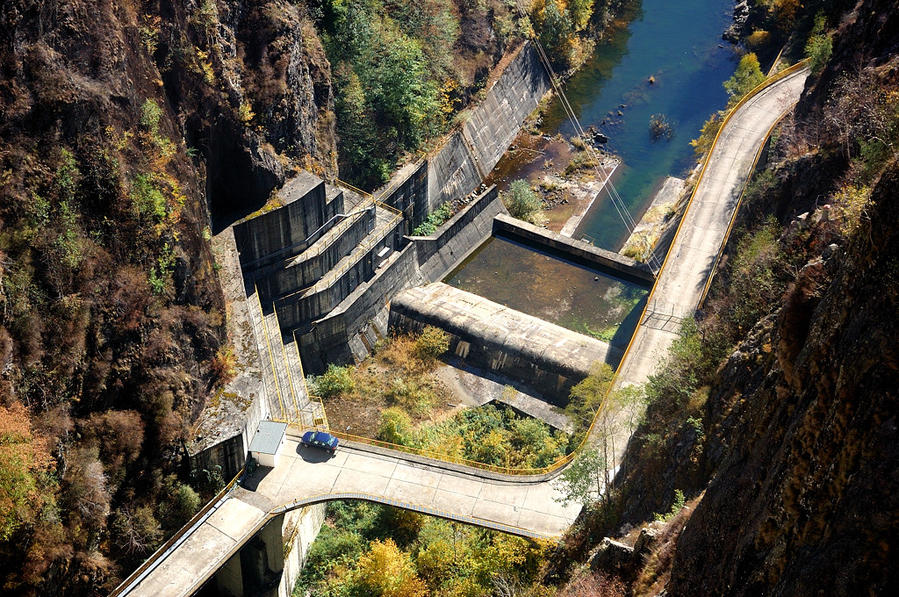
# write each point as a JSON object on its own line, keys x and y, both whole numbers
{"x": 515, "y": 504}
{"x": 691, "y": 258}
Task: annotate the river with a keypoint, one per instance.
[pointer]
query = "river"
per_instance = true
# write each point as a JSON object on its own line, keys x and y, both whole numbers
{"x": 678, "y": 43}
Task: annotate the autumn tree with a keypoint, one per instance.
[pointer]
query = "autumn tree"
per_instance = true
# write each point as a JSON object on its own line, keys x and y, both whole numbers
{"x": 26, "y": 487}
{"x": 747, "y": 77}
{"x": 387, "y": 571}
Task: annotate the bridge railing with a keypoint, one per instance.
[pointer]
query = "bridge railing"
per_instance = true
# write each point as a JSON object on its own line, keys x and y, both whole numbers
{"x": 125, "y": 585}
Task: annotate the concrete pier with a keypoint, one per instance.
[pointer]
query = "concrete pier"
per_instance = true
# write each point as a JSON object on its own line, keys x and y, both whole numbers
{"x": 546, "y": 356}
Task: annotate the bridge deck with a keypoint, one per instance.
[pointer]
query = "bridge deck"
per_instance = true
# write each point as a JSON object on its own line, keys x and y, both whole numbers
{"x": 520, "y": 505}
{"x": 306, "y": 475}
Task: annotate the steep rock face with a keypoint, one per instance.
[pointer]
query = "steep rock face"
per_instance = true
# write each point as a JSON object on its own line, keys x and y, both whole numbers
{"x": 119, "y": 122}
{"x": 804, "y": 500}
{"x": 802, "y": 419}
{"x": 252, "y": 87}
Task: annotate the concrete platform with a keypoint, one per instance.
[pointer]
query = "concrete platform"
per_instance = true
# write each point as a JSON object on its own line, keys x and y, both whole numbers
{"x": 548, "y": 357}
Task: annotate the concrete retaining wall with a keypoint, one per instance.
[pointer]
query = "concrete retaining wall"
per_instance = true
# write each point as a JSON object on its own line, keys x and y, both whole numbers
{"x": 440, "y": 252}
{"x": 471, "y": 152}
{"x": 328, "y": 340}
{"x": 411, "y": 195}
{"x": 573, "y": 250}
{"x": 493, "y": 125}
{"x": 271, "y": 236}
{"x": 298, "y": 310}
{"x": 303, "y": 271}
{"x": 544, "y": 356}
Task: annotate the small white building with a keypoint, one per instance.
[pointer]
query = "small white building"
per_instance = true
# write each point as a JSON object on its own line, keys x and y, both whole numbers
{"x": 267, "y": 442}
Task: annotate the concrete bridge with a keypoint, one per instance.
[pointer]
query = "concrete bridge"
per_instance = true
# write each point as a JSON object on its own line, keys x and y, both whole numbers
{"x": 517, "y": 504}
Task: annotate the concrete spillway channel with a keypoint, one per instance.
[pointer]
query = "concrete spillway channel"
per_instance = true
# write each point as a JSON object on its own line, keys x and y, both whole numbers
{"x": 481, "y": 497}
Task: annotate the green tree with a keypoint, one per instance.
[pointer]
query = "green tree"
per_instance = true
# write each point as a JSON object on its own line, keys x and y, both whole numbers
{"x": 581, "y": 11}
{"x": 521, "y": 201}
{"x": 819, "y": 45}
{"x": 25, "y": 463}
{"x": 586, "y": 397}
{"x": 747, "y": 77}
{"x": 555, "y": 31}
{"x": 584, "y": 480}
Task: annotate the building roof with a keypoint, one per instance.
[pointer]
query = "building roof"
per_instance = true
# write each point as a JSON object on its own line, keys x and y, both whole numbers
{"x": 268, "y": 437}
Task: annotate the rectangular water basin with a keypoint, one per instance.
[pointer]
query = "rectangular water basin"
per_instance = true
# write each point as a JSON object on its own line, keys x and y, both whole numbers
{"x": 553, "y": 288}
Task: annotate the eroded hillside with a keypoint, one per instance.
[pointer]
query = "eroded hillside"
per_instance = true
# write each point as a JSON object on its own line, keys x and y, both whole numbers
{"x": 775, "y": 417}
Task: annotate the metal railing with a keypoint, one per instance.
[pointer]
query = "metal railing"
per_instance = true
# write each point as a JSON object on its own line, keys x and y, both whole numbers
{"x": 128, "y": 584}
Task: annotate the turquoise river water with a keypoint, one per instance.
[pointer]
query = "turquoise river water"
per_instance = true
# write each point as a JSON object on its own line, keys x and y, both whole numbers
{"x": 679, "y": 44}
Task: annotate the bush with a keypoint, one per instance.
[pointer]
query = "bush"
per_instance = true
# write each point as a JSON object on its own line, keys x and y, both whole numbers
{"x": 395, "y": 427}
{"x": 521, "y": 201}
{"x": 335, "y": 381}
{"x": 819, "y": 46}
{"x": 434, "y": 220}
{"x": 707, "y": 135}
{"x": 432, "y": 343}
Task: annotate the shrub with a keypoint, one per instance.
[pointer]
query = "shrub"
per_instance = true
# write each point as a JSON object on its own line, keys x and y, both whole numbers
{"x": 395, "y": 426}
{"x": 335, "y": 381}
{"x": 707, "y": 135}
{"x": 521, "y": 201}
{"x": 432, "y": 343}
{"x": 434, "y": 220}
{"x": 818, "y": 50}
{"x": 676, "y": 506}
{"x": 224, "y": 365}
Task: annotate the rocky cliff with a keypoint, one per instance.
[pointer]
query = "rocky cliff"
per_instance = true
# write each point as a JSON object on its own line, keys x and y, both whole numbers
{"x": 120, "y": 124}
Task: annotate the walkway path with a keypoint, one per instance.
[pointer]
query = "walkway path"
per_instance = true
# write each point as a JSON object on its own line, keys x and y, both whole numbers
{"x": 704, "y": 228}
{"x": 521, "y": 505}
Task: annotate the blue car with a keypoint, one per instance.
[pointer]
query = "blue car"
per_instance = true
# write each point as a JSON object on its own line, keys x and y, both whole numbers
{"x": 319, "y": 439}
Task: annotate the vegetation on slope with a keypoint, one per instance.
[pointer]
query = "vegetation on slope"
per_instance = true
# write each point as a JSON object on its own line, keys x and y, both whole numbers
{"x": 403, "y": 70}
{"x": 112, "y": 331}
{"x": 772, "y": 410}
{"x": 395, "y": 396}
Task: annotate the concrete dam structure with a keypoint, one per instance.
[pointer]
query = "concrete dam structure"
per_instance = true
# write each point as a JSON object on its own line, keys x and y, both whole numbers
{"x": 470, "y": 153}
{"x": 522, "y": 504}
{"x": 311, "y": 256}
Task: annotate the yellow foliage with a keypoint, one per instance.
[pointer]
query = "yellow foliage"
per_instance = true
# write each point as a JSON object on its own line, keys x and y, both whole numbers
{"x": 24, "y": 460}
{"x": 849, "y": 204}
{"x": 758, "y": 38}
{"x": 386, "y": 571}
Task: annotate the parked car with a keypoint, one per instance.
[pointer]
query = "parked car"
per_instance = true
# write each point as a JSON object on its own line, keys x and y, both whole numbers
{"x": 319, "y": 439}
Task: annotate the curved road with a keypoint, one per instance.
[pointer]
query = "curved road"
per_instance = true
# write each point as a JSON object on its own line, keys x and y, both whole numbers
{"x": 522, "y": 505}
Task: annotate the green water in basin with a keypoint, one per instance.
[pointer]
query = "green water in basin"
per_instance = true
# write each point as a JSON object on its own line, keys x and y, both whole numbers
{"x": 554, "y": 289}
